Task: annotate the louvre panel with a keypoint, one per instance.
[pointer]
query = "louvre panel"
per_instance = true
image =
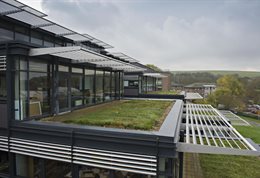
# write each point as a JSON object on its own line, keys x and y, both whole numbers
{"x": 136, "y": 163}
{"x": 2, "y": 63}
{"x": 3, "y": 143}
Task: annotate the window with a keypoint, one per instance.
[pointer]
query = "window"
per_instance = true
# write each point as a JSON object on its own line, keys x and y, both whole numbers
{"x": 113, "y": 85}
{"x": 4, "y": 162}
{"x": 39, "y": 88}
{"x": 27, "y": 166}
{"x": 3, "y": 90}
{"x": 57, "y": 169}
{"x": 77, "y": 87}
{"x": 99, "y": 86}
{"x": 107, "y": 86}
{"x": 6, "y": 35}
{"x": 22, "y": 34}
{"x": 48, "y": 42}
{"x": 36, "y": 38}
{"x": 117, "y": 74}
{"x": 89, "y": 86}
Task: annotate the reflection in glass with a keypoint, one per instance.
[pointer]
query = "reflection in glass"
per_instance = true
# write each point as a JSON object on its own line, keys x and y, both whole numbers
{"x": 57, "y": 169}
{"x": 63, "y": 88}
{"x": 26, "y": 166}
{"x": 107, "y": 86}
{"x": 89, "y": 86}
{"x": 113, "y": 86}
{"x": 99, "y": 86}
{"x": 76, "y": 87}
{"x": 4, "y": 165}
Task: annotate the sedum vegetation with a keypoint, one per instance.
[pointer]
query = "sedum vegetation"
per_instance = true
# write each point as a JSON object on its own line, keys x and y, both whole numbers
{"x": 131, "y": 114}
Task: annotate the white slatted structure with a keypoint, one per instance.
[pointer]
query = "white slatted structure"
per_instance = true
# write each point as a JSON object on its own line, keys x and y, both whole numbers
{"x": 79, "y": 54}
{"x": 136, "y": 163}
{"x": 233, "y": 118}
{"x": 2, "y": 63}
{"x": 124, "y": 57}
{"x": 3, "y": 143}
{"x": 207, "y": 131}
{"x": 155, "y": 75}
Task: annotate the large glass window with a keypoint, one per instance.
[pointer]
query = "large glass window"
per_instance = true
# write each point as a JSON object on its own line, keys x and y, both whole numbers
{"x": 6, "y": 35}
{"x": 63, "y": 90}
{"x": 22, "y": 34}
{"x": 3, "y": 89}
{"x": 121, "y": 84}
{"x": 36, "y": 38}
{"x": 117, "y": 84}
{"x": 57, "y": 169}
{"x": 4, "y": 162}
{"x": 39, "y": 88}
{"x": 27, "y": 167}
{"x": 89, "y": 86}
{"x": 107, "y": 86}
{"x": 87, "y": 171}
{"x": 113, "y": 85}
{"x": 77, "y": 87}
{"x": 21, "y": 89}
{"x": 99, "y": 86}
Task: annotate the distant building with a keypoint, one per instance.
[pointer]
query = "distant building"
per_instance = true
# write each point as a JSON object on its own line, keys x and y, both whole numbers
{"x": 166, "y": 81}
{"x": 202, "y": 88}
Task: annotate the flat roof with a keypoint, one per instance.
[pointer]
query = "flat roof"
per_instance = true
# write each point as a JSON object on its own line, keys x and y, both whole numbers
{"x": 193, "y": 96}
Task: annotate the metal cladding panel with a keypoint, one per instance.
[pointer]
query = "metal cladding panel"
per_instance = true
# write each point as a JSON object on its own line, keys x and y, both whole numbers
{"x": 207, "y": 131}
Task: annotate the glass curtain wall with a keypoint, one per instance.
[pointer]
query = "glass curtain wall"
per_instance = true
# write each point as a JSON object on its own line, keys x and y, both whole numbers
{"x": 113, "y": 85}
{"x": 4, "y": 163}
{"x": 121, "y": 84}
{"x": 76, "y": 87}
{"x": 39, "y": 88}
{"x": 89, "y": 86}
{"x": 99, "y": 86}
{"x": 21, "y": 88}
{"x": 117, "y": 74}
{"x": 107, "y": 86}
{"x": 144, "y": 84}
{"x": 63, "y": 88}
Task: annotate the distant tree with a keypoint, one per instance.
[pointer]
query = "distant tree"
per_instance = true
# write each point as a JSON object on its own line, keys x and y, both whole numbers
{"x": 229, "y": 93}
{"x": 253, "y": 90}
{"x": 154, "y": 67}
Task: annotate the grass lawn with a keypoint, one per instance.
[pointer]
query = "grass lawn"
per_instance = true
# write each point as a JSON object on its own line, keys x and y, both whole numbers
{"x": 250, "y": 119}
{"x": 223, "y": 166}
{"x": 252, "y": 132}
{"x": 172, "y": 92}
{"x": 130, "y": 114}
{"x": 216, "y": 166}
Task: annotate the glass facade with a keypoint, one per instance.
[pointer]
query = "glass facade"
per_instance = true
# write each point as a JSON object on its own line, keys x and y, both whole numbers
{"x": 4, "y": 163}
{"x": 77, "y": 87}
{"x": 107, "y": 86}
{"x": 99, "y": 86}
{"x": 63, "y": 88}
{"x": 89, "y": 86}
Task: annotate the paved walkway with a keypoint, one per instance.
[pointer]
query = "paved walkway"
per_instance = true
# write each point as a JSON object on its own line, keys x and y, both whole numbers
{"x": 191, "y": 166}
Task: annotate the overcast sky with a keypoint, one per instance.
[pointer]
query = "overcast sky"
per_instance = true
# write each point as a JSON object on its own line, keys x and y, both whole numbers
{"x": 174, "y": 35}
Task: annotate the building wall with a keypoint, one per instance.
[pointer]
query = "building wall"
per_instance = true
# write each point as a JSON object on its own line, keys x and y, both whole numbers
{"x": 166, "y": 82}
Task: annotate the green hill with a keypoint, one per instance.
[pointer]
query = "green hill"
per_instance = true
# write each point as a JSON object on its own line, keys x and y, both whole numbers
{"x": 223, "y": 72}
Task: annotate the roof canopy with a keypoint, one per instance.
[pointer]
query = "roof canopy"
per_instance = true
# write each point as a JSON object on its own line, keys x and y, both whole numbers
{"x": 155, "y": 75}
{"x": 26, "y": 14}
{"x": 79, "y": 54}
{"x": 124, "y": 57}
{"x": 207, "y": 131}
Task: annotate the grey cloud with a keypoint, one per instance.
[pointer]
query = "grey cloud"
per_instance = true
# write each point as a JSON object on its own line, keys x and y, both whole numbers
{"x": 224, "y": 37}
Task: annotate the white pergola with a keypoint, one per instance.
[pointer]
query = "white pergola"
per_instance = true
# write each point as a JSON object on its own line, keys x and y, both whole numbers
{"x": 79, "y": 54}
{"x": 233, "y": 118}
{"x": 207, "y": 131}
{"x": 124, "y": 57}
